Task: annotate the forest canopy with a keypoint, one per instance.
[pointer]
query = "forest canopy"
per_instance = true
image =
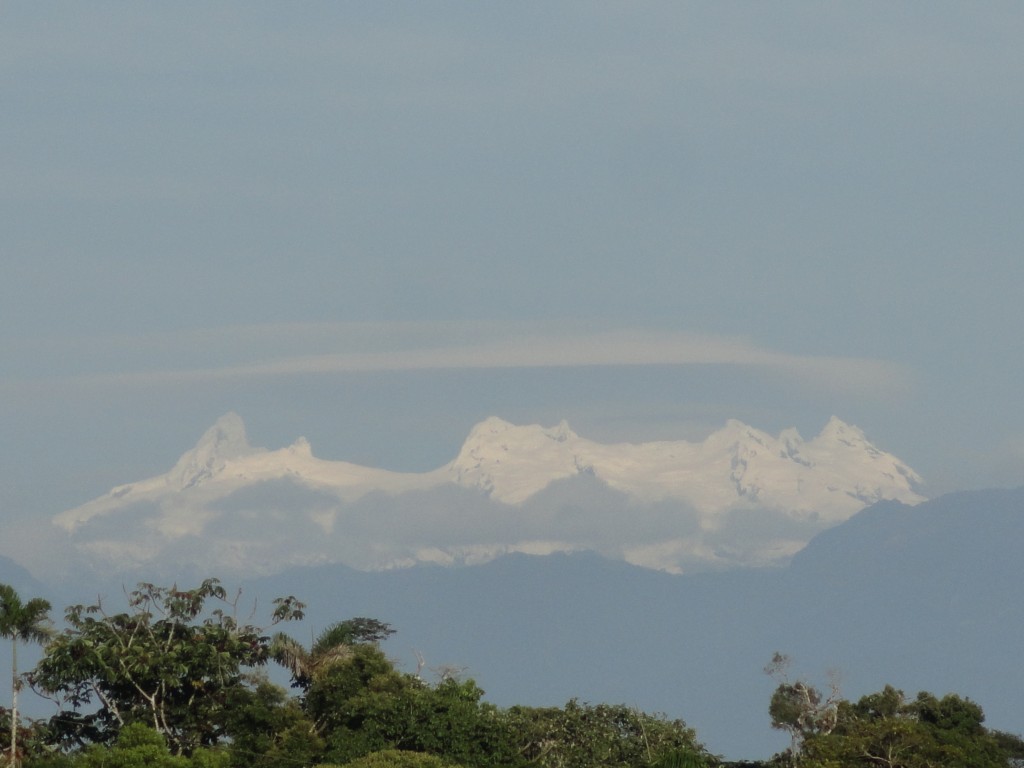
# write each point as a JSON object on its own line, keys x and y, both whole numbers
{"x": 176, "y": 679}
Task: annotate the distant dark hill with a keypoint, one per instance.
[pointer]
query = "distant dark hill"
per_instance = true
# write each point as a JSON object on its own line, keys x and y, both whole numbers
{"x": 949, "y": 531}
{"x": 19, "y": 578}
{"x": 540, "y": 630}
{"x": 926, "y": 597}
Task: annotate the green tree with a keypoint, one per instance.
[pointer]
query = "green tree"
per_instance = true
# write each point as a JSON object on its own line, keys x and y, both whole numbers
{"x": 583, "y": 735}
{"x": 267, "y": 728}
{"x": 398, "y": 758}
{"x": 798, "y": 707}
{"x": 169, "y": 661}
{"x": 355, "y": 703}
{"x": 682, "y": 758}
{"x": 363, "y": 631}
{"x": 21, "y": 622}
{"x": 452, "y": 721}
{"x": 331, "y": 646}
{"x": 363, "y": 705}
{"x": 139, "y": 746}
{"x": 884, "y": 729}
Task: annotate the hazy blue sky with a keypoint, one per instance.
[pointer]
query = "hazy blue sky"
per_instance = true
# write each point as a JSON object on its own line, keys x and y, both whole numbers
{"x": 374, "y": 224}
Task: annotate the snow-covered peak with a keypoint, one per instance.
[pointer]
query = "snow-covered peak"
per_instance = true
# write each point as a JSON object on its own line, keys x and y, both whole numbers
{"x": 736, "y": 435}
{"x": 301, "y": 447}
{"x": 511, "y": 463}
{"x": 224, "y": 441}
{"x": 492, "y": 425}
{"x": 662, "y": 504}
{"x": 791, "y": 446}
{"x": 837, "y": 430}
{"x": 223, "y": 463}
{"x": 494, "y": 429}
{"x": 846, "y": 449}
{"x": 561, "y": 433}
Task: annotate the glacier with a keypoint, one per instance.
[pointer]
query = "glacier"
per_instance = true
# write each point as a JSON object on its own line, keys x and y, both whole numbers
{"x": 741, "y": 497}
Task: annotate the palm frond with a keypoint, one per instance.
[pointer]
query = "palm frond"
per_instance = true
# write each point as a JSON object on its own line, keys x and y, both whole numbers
{"x": 23, "y": 621}
{"x": 335, "y": 635}
{"x": 289, "y": 653}
{"x": 329, "y": 657}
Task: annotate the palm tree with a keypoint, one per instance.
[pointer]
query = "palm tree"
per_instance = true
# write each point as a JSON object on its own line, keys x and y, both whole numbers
{"x": 29, "y": 623}
{"x": 332, "y": 646}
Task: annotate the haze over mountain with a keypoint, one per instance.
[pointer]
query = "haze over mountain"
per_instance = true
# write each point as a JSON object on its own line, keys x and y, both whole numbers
{"x": 739, "y": 498}
{"x": 377, "y": 224}
{"x": 923, "y": 597}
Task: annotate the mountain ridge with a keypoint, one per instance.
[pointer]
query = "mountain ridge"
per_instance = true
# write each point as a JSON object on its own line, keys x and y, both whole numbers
{"x": 922, "y": 597}
{"x": 691, "y": 496}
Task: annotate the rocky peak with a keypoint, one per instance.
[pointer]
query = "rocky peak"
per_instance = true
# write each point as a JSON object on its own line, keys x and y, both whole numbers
{"x": 224, "y": 441}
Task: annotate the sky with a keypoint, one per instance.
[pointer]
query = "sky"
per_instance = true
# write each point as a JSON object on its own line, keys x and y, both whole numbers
{"x": 375, "y": 224}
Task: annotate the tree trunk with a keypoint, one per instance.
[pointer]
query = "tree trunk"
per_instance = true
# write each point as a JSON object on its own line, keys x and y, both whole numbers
{"x": 14, "y": 702}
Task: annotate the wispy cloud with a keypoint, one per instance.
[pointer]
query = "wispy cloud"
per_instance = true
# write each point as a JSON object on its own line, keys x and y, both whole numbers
{"x": 260, "y": 351}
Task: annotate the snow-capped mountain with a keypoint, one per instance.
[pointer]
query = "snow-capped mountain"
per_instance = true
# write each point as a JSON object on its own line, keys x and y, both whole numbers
{"x": 831, "y": 476}
{"x": 739, "y": 497}
{"x": 223, "y": 462}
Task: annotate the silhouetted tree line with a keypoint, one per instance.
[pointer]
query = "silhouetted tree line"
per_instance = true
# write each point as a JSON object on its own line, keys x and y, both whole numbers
{"x": 177, "y": 680}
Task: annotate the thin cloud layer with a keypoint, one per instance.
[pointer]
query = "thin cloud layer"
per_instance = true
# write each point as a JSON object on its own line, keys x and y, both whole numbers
{"x": 279, "y": 524}
{"x": 369, "y": 348}
{"x": 812, "y": 191}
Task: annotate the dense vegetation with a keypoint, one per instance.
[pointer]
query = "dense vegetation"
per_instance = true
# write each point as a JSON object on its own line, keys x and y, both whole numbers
{"x": 176, "y": 680}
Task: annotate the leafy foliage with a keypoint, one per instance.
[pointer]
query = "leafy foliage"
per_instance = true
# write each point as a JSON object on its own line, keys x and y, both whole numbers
{"x": 138, "y": 746}
{"x": 585, "y": 735}
{"x": 359, "y": 630}
{"x": 365, "y": 705}
{"x": 168, "y": 661}
{"x": 267, "y": 728}
{"x": 175, "y": 682}
{"x": 798, "y": 707}
{"x": 332, "y": 646}
{"x": 26, "y": 622}
{"x": 680, "y": 758}
{"x": 398, "y": 758}
{"x": 885, "y": 729}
